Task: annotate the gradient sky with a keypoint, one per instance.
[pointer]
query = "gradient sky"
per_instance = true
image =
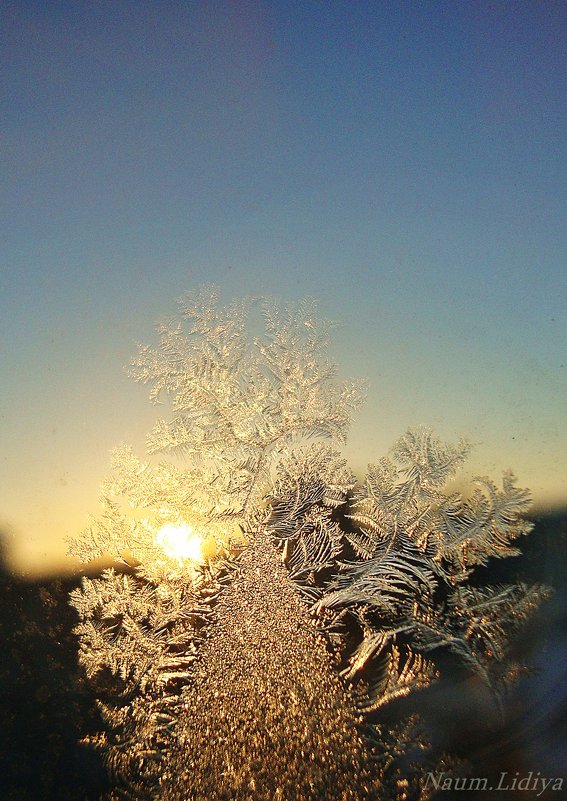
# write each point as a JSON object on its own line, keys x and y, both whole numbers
{"x": 404, "y": 162}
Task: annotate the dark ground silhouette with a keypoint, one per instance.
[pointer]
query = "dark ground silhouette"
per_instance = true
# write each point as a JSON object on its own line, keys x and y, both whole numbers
{"x": 46, "y": 706}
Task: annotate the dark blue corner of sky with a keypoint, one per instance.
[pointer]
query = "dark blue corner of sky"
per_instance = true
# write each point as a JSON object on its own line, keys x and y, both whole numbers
{"x": 133, "y": 132}
{"x": 368, "y": 152}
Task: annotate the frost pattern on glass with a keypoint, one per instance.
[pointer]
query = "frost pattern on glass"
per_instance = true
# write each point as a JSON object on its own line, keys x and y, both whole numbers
{"x": 386, "y": 566}
{"x": 244, "y": 385}
{"x": 407, "y": 587}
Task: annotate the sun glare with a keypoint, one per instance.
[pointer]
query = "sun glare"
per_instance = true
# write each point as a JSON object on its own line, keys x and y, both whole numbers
{"x": 180, "y": 542}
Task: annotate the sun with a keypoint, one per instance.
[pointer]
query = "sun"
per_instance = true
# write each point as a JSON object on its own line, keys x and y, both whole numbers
{"x": 180, "y": 542}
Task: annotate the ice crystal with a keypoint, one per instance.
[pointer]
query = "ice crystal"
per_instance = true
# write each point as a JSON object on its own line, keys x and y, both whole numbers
{"x": 240, "y": 455}
{"x": 415, "y": 547}
{"x": 243, "y": 395}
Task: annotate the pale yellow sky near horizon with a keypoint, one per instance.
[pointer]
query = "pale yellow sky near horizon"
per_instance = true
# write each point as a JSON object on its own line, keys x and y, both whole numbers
{"x": 50, "y": 489}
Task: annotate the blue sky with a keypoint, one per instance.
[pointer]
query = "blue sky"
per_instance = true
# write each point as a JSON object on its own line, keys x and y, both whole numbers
{"x": 403, "y": 162}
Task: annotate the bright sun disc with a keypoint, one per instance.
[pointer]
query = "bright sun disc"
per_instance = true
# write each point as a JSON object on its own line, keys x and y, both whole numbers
{"x": 180, "y": 542}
